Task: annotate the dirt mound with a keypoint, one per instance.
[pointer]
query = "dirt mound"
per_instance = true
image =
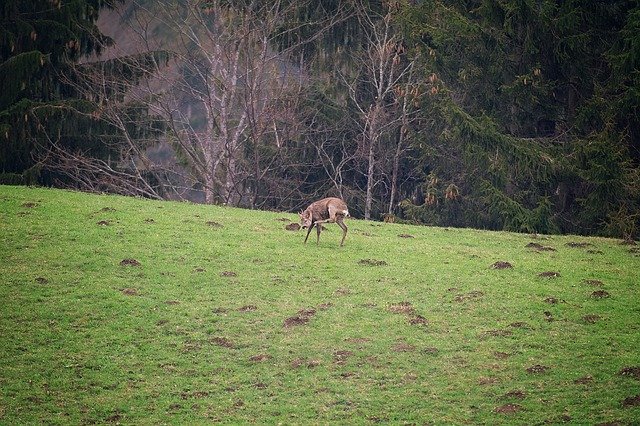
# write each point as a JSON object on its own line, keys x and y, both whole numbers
{"x": 574, "y": 244}
{"x": 501, "y": 265}
{"x": 537, "y": 369}
{"x": 591, "y": 319}
{"x": 401, "y": 308}
{"x": 302, "y": 318}
{"x": 631, "y": 372}
{"x": 632, "y": 401}
{"x": 549, "y": 274}
{"x": 222, "y": 341}
{"x": 600, "y": 294}
{"x": 260, "y": 358}
{"x": 129, "y": 262}
{"x": 372, "y": 262}
{"x": 508, "y": 409}
{"x": 539, "y": 247}
{"x": 292, "y": 227}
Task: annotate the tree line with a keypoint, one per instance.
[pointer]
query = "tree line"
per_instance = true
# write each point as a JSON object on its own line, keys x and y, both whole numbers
{"x": 519, "y": 115}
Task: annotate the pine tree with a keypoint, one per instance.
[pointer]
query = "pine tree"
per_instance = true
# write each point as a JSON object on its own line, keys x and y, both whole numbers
{"x": 39, "y": 39}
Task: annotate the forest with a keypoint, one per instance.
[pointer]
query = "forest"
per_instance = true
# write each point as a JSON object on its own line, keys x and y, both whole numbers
{"x": 518, "y": 115}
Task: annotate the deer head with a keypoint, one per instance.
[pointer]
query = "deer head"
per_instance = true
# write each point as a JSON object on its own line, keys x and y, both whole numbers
{"x": 305, "y": 219}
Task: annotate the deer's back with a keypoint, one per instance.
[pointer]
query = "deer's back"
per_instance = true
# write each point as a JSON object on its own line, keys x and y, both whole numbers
{"x": 320, "y": 209}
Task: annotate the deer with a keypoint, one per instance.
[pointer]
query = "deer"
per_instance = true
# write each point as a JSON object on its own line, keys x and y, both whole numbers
{"x": 327, "y": 210}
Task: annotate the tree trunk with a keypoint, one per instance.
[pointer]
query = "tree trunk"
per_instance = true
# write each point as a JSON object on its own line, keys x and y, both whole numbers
{"x": 369, "y": 198}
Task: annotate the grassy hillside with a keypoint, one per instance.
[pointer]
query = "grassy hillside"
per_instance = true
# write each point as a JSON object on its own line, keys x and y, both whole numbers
{"x": 121, "y": 310}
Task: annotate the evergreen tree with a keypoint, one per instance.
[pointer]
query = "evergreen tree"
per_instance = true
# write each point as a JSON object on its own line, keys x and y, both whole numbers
{"x": 39, "y": 39}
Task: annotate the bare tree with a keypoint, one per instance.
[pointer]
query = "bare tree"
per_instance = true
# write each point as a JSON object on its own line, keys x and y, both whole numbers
{"x": 228, "y": 85}
{"x": 384, "y": 96}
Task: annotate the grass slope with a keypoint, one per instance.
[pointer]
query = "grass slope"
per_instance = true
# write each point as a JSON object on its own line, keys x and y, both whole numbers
{"x": 133, "y": 311}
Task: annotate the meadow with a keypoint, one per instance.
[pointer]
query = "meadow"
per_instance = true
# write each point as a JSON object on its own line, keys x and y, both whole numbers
{"x": 131, "y": 311}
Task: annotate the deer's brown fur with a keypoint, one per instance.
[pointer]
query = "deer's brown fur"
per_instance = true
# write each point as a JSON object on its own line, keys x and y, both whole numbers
{"x": 327, "y": 210}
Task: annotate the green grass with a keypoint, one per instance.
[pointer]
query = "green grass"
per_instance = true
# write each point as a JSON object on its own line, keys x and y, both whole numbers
{"x": 405, "y": 330}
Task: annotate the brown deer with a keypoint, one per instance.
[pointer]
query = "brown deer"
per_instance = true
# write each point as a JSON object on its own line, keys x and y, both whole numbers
{"x": 327, "y": 210}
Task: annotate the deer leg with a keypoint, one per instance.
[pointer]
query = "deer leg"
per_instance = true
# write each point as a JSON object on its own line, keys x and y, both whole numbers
{"x": 308, "y": 232}
{"x": 318, "y": 229}
{"x": 344, "y": 228}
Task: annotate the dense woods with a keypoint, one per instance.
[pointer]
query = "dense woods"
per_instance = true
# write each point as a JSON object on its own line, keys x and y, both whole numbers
{"x": 519, "y": 115}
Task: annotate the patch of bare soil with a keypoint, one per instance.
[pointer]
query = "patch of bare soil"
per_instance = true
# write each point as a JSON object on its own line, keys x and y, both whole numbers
{"x": 309, "y": 363}
{"x": 475, "y": 294}
{"x": 496, "y": 333}
{"x": 600, "y": 294}
{"x": 103, "y": 223}
{"x": 247, "y": 308}
{"x": 549, "y": 274}
{"x": 42, "y": 280}
{"x": 508, "y": 409}
{"x": 520, "y": 324}
{"x": 633, "y": 372}
{"x": 403, "y": 347}
{"x": 501, "y": 355}
{"x": 514, "y": 394}
{"x": 372, "y": 262}
{"x": 483, "y": 381}
{"x": 221, "y": 341}
{"x": 107, "y": 209}
{"x": 591, "y": 318}
{"x": 114, "y": 418}
{"x": 194, "y": 394}
{"x": 593, "y": 283}
{"x": 129, "y": 262}
{"x": 539, "y": 247}
{"x": 220, "y": 310}
{"x": 342, "y": 292}
{"x": 430, "y": 351}
{"x": 199, "y": 270}
{"x": 213, "y": 224}
{"x": 502, "y": 265}
{"x": 260, "y": 358}
{"x": 418, "y": 320}
{"x": 228, "y": 274}
{"x": 632, "y": 401}
{"x": 340, "y": 357}
{"x": 583, "y": 380}
{"x": 537, "y": 369}
{"x": 149, "y": 220}
{"x": 325, "y": 306}
{"x": 405, "y": 236}
{"x": 548, "y": 316}
{"x": 130, "y": 291}
{"x": 302, "y": 318}
{"x": 292, "y": 227}
{"x": 172, "y": 302}
{"x": 401, "y": 308}
{"x": 574, "y": 244}
{"x": 551, "y": 300}
{"x": 29, "y": 205}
